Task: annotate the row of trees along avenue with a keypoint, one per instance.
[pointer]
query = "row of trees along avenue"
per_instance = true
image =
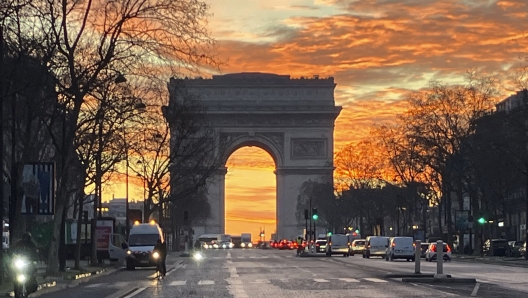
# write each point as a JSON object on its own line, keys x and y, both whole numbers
{"x": 449, "y": 144}
{"x": 100, "y": 70}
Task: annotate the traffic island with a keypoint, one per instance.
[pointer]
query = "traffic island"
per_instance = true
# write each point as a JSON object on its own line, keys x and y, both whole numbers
{"x": 440, "y": 280}
{"x": 411, "y": 275}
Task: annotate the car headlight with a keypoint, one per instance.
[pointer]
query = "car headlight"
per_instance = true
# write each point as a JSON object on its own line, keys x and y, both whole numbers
{"x": 155, "y": 255}
{"x": 215, "y": 245}
{"x": 21, "y": 278}
{"x": 250, "y": 245}
{"x": 243, "y": 245}
{"x": 129, "y": 252}
{"x": 224, "y": 246}
{"x": 231, "y": 245}
{"x": 198, "y": 256}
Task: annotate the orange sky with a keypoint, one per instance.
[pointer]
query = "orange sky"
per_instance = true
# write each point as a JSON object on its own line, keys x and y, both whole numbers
{"x": 377, "y": 51}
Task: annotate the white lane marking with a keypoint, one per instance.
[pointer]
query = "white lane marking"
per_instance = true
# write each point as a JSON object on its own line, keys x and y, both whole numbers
{"x": 374, "y": 280}
{"x": 348, "y": 279}
{"x": 475, "y": 290}
{"x": 94, "y": 285}
{"x": 229, "y": 262}
{"x": 228, "y": 255}
{"x": 205, "y": 282}
{"x": 135, "y": 293}
{"x": 260, "y": 281}
{"x": 320, "y": 280}
{"x": 178, "y": 283}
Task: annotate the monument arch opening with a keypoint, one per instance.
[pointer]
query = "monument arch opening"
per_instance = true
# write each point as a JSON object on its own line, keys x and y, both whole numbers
{"x": 291, "y": 119}
{"x": 251, "y": 193}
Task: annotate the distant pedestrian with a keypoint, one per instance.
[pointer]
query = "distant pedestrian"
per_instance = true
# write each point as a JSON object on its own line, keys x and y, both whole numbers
{"x": 299, "y": 245}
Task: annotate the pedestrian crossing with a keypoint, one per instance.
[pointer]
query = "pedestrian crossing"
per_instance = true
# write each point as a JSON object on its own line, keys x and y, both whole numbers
{"x": 210, "y": 282}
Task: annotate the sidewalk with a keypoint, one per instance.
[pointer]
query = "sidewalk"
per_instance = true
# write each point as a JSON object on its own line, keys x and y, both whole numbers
{"x": 506, "y": 261}
{"x": 62, "y": 280}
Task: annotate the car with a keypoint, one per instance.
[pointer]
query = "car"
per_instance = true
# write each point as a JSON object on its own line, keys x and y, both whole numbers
{"x": 424, "y": 247}
{"x": 320, "y": 245}
{"x": 338, "y": 244}
{"x": 375, "y": 246}
{"x": 497, "y": 247}
{"x": 522, "y": 249}
{"x": 430, "y": 254}
{"x": 358, "y": 246}
{"x": 400, "y": 248}
{"x": 515, "y": 247}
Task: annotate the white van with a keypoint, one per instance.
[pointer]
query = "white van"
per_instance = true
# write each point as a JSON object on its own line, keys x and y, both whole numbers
{"x": 375, "y": 246}
{"x": 141, "y": 242}
{"x": 400, "y": 248}
{"x": 338, "y": 244}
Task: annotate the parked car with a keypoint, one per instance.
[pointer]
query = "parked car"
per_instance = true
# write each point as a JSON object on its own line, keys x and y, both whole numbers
{"x": 515, "y": 247}
{"x": 522, "y": 249}
{"x": 424, "y": 247}
{"x": 320, "y": 245}
{"x": 497, "y": 247}
{"x": 400, "y": 248}
{"x": 430, "y": 254}
{"x": 358, "y": 246}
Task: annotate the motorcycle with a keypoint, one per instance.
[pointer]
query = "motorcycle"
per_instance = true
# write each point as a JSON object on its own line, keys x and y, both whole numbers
{"x": 23, "y": 276}
{"x": 159, "y": 265}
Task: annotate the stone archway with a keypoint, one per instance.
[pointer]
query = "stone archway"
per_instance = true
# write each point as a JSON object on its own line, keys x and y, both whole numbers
{"x": 291, "y": 119}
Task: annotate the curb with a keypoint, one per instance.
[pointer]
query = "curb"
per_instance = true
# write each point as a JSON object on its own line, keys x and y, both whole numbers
{"x": 74, "y": 281}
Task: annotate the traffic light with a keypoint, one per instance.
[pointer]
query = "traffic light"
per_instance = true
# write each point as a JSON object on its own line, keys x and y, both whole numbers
{"x": 482, "y": 220}
{"x": 314, "y": 214}
{"x": 329, "y": 234}
{"x": 306, "y": 214}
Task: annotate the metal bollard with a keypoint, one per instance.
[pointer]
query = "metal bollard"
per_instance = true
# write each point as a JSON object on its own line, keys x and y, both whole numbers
{"x": 439, "y": 257}
{"x": 417, "y": 255}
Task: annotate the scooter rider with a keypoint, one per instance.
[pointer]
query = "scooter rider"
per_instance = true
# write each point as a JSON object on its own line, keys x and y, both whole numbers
{"x": 27, "y": 248}
{"x": 161, "y": 248}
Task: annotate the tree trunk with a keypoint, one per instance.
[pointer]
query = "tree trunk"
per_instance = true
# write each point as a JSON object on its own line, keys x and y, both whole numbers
{"x": 79, "y": 231}
{"x": 53, "y": 257}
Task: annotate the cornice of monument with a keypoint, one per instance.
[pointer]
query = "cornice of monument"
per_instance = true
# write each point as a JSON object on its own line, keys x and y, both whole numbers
{"x": 247, "y": 79}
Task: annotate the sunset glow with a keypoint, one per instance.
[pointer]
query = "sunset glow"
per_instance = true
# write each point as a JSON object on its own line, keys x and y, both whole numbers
{"x": 377, "y": 51}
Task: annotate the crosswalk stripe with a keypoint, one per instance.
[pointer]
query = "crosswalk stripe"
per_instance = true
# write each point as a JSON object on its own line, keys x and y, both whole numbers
{"x": 320, "y": 280}
{"x": 374, "y": 280}
{"x": 205, "y": 282}
{"x": 348, "y": 279}
{"x": 178, "y": 283}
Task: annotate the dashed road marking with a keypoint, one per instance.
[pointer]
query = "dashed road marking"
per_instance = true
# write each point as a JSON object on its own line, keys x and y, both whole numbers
{"x": 348, "y": 279}
{"x": 374, "y": 280}
{"x": 178, "y": 283}
{"x": 206, "y": 282}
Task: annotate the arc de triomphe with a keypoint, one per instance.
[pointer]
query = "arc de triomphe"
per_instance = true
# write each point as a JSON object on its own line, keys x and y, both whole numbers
{"x": 291, "y": 119}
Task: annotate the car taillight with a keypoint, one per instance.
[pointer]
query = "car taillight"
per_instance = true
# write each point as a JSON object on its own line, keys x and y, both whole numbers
{"x": 354, "y": 245}
{"x": 393, "y": 244}
{"x": 433, "y": 248}
{"x": 317, "y": 244}
{"x": 330, "y": 243}
{"x": 448, "y": 248}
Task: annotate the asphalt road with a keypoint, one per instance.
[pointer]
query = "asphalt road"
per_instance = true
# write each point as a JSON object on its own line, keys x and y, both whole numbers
{"x": 271, "y": 273}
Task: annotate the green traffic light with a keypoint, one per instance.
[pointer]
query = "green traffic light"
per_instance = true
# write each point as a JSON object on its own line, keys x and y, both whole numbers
{"x": 329, "y": 234}
{"x": 315, "y": 216}
{"x": 481, "y": 220}
{"x": 357, "y": 231}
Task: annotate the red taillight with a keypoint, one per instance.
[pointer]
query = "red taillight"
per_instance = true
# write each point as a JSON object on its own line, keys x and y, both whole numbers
{"x": 393, "y": 244}
{"x": 448, "y": 248}
{"x": 354, "y": 245}
{"x": 433, "y": 248}
{"x": 317, "y": 244}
